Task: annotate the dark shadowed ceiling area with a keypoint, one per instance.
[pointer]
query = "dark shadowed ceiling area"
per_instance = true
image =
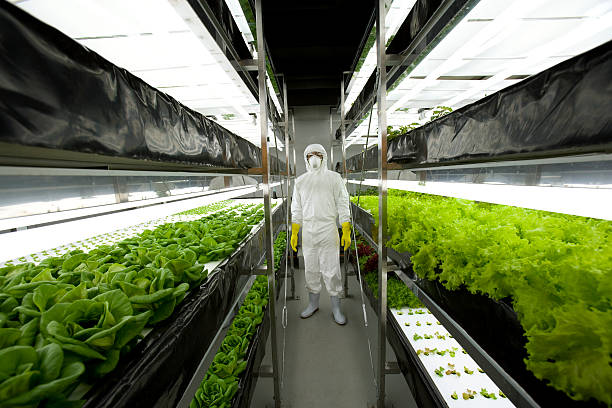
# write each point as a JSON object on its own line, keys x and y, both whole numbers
{"x": 312, "y": 42}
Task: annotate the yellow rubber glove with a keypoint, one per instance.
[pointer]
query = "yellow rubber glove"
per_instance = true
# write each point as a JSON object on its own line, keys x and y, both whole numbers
{"x": 295, "y": 228}
{"x": 346, "y": 235}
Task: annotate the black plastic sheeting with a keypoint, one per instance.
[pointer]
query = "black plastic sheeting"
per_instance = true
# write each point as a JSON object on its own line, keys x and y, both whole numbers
{"x": 421, "y": 12}
{"x": 159, "y": 369}
{"x": 56, "y": 93}
{"x": 563, "y": 110}
{"x": 367, "y": 159}
{"x": 357, "y": 162}
{"x": 500, "y": 322}
{"x": 364, "y": 220}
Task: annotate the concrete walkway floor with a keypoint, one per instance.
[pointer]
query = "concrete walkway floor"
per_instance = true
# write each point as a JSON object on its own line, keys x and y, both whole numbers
{"x": 327, "y": 365}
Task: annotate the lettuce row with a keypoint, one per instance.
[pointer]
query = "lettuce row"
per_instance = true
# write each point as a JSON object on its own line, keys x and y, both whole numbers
{"x": 556, "y": 269}
{"x": 71, "y": 318}
{"x": 221, "y": 381}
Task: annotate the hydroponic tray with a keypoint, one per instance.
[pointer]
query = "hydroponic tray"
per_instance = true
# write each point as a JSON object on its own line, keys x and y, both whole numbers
{"x": 433, "y": 348}
{"x": 446, "y": 363}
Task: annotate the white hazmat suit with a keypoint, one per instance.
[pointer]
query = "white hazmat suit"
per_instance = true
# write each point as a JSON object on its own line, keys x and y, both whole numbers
{"x": 320, "y": 200}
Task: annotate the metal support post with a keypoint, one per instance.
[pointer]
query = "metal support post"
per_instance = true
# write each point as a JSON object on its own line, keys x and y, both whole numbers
{"x": 293, "y": 146}
{"x": 331, "y": 138}
{"x": 343, "y": 146}
{"x": 382, "y": 198}
{"x": 287, "y": 183}
{"x": 263, "y": 127}
{"x": 342, "y": 128}
{"x": 294, "y": 171}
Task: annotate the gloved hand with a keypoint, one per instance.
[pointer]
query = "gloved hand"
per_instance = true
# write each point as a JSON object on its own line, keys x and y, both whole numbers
{"x": 295, "y": 228}
{"x": 346, "y": 235}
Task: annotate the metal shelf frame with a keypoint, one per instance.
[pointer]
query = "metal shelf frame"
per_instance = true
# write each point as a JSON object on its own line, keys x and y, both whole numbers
{"x": 512, "y": 389}
{"x": 48, "y": 158}
{"x": 376, "y": 159}
{"x": 381, "y": 86}
{"x": 438, "y": 24}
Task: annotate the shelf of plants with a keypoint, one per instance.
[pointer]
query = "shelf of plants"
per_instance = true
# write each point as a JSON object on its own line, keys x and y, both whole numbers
{"x": 140, "y": 304}
{"x": 540, "y": 281}
{"x": 229, "y": 379}
{"x": 438, "y": 370}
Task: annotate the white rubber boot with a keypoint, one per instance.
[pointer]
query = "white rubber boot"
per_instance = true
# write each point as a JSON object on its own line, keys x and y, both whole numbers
{"x": 338, "y": 316}
{"x": 313, "y": 305}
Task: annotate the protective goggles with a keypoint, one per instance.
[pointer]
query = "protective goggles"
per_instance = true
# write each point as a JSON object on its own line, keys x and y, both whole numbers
{"x": 319, "y": 155}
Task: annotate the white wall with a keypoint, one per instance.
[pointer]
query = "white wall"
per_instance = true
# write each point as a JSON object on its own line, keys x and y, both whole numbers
{"x": 311, "y": 126}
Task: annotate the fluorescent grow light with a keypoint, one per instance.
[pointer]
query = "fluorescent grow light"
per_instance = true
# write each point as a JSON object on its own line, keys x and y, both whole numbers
{"x": 585, "y": 202}
{"x": 498, "y": 44}
{"x": 396, "y": 15}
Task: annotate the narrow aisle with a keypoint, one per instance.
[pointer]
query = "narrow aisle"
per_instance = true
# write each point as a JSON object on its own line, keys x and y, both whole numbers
{"x": 327, "y": 365}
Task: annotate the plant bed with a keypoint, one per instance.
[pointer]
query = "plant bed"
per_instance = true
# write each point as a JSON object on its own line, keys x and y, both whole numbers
{"x": 423, "y": 390}
{"x": 476, "y": 262}
{"x": 144, "y": 336}
{"x": 406, "y": 317}
{"x": 254, "y": 356}
{"x": 230, "y": 381}
{"x": 221, "y": 384}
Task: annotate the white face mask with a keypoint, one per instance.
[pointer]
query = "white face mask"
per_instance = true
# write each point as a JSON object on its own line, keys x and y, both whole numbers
{"x": 315, "y": 162}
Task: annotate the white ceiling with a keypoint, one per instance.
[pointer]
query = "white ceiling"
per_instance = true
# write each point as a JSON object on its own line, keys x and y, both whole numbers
{"x": 495, "y": 41}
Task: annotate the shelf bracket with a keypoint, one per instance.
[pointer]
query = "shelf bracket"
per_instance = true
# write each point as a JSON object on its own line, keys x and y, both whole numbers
{"x": 392, "y": 367}
{"x": 246, "y": 64}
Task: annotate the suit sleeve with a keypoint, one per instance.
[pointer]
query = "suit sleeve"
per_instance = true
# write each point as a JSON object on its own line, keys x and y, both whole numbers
{"x": 342, "y": 201}
{"x": 296, "y": 207}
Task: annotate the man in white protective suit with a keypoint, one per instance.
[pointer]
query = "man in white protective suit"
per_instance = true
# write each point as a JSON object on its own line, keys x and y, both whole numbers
{"x": 319, "y": 199}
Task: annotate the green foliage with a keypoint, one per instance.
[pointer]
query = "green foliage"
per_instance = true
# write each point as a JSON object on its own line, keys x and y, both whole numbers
{"x": 207, "y": 208}
{"x": 370, "y": 191}
{"x": 221, "y": 381}
{"x": 398, "y": 294}
{"x": 440, "y": 111}
{"x": 366, "y": 48}
{"x": 393, "y": 133}
{"x": 75, "y": 315}
{"x": 556, "y": 268}
{"x": 29, "y": 375}
{"x": 280, "y": 247}
{"x": 215, "y": 392}
{"x": 250, "y": 16}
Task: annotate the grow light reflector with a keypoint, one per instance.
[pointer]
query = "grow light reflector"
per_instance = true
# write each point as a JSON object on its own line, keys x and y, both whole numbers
{"x": 585, "y": 202}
